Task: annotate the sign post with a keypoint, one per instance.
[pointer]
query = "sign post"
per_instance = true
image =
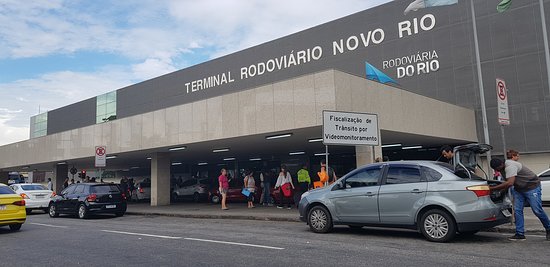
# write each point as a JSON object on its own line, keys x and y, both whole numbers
{"x": 503, "y": 112}
{"x": 100, "y": 159}
{"x": 349, "y": 129}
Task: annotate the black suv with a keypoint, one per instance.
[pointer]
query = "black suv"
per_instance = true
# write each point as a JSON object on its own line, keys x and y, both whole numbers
{"x": 88, "y": 198}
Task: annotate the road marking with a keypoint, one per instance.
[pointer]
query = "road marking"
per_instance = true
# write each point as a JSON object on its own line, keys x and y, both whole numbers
{"x": 49, "y": 225}
{"x": 232, "y": 243}
{"x": 149, "y": 235}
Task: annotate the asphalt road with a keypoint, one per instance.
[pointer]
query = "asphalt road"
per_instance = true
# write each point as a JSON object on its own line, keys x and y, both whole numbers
{"x": 169, "y": 241}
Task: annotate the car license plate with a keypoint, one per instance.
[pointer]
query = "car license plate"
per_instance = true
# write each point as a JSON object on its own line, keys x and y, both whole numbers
{"x": 506, "y": 213}
{"x": 2, "y": 207}
{"x": 110, "y": 206}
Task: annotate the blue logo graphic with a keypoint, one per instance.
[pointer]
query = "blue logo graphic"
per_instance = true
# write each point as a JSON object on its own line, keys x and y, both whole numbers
{"x": 375, "y": 74}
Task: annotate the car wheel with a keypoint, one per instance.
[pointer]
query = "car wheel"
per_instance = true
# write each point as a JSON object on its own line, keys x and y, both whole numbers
{"x": 196, "y": 197}
{"x": 15, "y": 227}
{"x": 52, "y": 211}
{"x": 215, "y": 199}
{"x": 319, "y": 220}
{"x": 82, "y": 212}
{"x": 437, "y": 226}
{"x": 29, "y": 211}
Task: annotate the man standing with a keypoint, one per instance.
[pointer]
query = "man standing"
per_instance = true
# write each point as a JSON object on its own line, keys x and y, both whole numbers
{"x": 50, "y": 184}
{"x": 303, "y": 179}
{"x": 330, "y": 172}
{"x": 526, "y": 187}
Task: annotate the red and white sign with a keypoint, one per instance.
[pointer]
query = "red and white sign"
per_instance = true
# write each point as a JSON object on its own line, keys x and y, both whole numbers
{"x": 100, "y": 156}
{"x": 502, "y": 103}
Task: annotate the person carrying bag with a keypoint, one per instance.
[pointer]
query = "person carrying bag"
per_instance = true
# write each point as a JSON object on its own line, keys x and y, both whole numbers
{"x": 284, "y": 181}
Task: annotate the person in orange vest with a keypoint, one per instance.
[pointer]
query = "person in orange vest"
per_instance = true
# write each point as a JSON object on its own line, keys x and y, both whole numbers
{"x": 325, "y": 175}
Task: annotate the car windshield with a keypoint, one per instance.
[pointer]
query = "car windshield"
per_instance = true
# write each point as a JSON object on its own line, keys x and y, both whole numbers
{"x": 104, "y": 189}
{"x": 5, "y": 190}
{"x": 30, "y": 187}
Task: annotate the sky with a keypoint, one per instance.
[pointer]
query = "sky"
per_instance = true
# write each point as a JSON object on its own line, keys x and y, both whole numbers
{"x": 58, "y": 52}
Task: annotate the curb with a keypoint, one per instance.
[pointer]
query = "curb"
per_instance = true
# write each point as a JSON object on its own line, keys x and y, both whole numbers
{"x": 208, "y": 216}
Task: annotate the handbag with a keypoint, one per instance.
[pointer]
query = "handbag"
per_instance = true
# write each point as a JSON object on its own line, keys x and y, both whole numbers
{"x": 287, "y": 190}
{"x": 245, "y": 192}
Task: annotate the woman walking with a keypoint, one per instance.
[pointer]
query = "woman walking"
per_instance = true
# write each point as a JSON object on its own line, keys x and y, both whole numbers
{"x": 224, "y": 187}
{"x": 250, "y": 185}
{"x": 284, "y": 181}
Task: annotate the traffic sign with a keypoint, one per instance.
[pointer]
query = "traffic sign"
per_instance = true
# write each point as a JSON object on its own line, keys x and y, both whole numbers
{"x": 349, "y": 128}
{"x": 100, "y": 156}
{"x": 502, "y": 102}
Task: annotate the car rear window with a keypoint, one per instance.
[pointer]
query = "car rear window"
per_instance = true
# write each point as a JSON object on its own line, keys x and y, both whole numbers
{"x": 6, "y": 190}
{"x": 104, "y": 189}
{"x": 30, "y": 187}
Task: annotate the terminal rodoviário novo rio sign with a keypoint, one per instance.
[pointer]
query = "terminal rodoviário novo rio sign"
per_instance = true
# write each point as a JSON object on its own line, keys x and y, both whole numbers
{"x": 347, "y": 128}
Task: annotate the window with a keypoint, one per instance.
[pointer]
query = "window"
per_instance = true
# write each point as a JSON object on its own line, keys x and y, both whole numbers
{"x": 106, "y": 107}
{"x": 367, "y": 177}
{"x": 5, "y": 190}
{"x": 79, "y": 189}
{"x": 104, "y": 189}
{"x": 39, "y": 125}
{"x": 403, "y": 175}
{"x": 545, "y": 176}
{"x": 68, "y": 190}
{"x": 33, "y": 187}
{"x": 431, "y": 174}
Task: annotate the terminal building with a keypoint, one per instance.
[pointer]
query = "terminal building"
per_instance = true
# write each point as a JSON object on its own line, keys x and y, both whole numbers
{"x": 262, "y": 106}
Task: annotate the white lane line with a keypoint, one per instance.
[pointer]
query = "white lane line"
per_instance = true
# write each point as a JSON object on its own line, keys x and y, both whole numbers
{"x": 128, "y": 233}
{"x": 232, "y": 243}
{"x": 49, "y": 225}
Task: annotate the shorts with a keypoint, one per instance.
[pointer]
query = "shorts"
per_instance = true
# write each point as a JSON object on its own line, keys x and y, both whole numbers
{"x": 223, "y": 191}
{"x": 250, "y": 197}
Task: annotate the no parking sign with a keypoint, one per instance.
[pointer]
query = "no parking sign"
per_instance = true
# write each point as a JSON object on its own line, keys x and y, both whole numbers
{"x": 100, "y": 156}
{"x": 502, "y": 102}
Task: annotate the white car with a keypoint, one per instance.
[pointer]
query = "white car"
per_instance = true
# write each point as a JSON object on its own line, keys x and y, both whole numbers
{"x": 36, "y": 196}
{"x": 142, "y": 191}
{"x": 192, "y": 188}
{"x": 545, "y": 184}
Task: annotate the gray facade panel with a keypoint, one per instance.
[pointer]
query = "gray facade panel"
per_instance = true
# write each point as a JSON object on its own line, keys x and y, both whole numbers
{"x": 73, "y": 116}
{"x": 510, "y": 44}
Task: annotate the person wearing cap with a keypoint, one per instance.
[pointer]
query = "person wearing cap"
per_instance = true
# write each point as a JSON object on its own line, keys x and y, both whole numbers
{"x": 526, "y": 188}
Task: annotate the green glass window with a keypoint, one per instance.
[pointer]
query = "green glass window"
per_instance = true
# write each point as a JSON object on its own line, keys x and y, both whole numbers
{"x": 39, "y": 125}
{"x": 106, "y": 107}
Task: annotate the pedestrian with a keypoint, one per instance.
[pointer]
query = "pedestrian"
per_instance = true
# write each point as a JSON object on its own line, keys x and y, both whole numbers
{"x": 284, "y": 182}
{"x": 526, "y": 188}
{"x": 304, "y": 180}
{"x": 330, "y": 172}
{"x": 66, "y": 183}
{"x": 512, "y": 154}
{"x": 50, "y": 184}
{"x": 447, "y": 153}
{"x": 265, "y": 179}
{"x": 224, "y": 187}
{"x": 250, "y": 185}
{"x": 72, "y": 181}
{"x": 124, "y": 185}
{"x": 131, "y": 187}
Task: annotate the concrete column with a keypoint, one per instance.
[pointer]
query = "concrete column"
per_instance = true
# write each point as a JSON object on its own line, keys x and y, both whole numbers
{"x": 59, "y": 175}
{"x": 4, "y": 177}
{"x": 160, "y": 179}
{"x": 366, "y": 154}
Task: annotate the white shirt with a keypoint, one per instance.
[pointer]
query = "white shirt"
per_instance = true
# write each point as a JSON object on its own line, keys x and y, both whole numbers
{"x": 281, "y": 180}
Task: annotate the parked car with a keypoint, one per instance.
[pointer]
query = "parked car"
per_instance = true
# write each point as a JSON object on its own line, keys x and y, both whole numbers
{"x": 545, "y": 184}
{"x": 85, "y": 199}
{"x": 36, "y": 196}
{"x": 197, "y": 189}
{"x": 234, "y": 193}
{"x": 12, "y": 208}
{"x": 142, "y": 191}
{"x": 435, "y": 198}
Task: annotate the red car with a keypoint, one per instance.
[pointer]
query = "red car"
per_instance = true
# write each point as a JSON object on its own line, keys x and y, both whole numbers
{"x": 233, "y": 195}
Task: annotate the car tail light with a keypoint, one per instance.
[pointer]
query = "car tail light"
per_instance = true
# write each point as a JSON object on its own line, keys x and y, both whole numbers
{"x": 480, "y": 190}
{"x": 123, "y": 196}
{"x": 24, "y": 196}
{"x": 53, "y": 194}
{"x": 141, "y": 190}
{"x": 19, "y": 203}
{"x": 91, "y": 198}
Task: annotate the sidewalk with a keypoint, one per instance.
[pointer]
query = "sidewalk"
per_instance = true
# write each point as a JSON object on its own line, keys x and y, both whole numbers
{"x": 239, "y": 211}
